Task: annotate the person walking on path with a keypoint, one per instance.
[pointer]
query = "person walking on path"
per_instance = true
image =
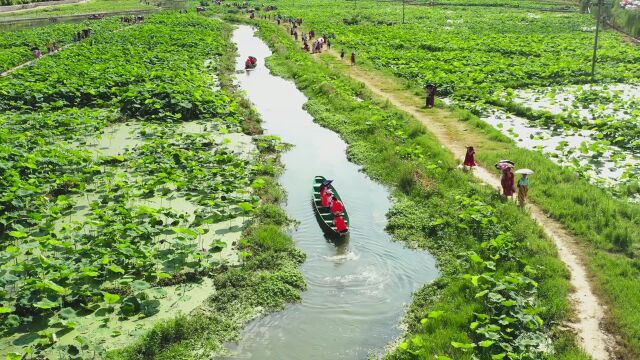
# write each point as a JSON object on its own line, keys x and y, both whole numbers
{"x": 523, "y": 190}
{"x": 507, "y": 182}
{"x": 469, "y": 158}
{"x": 353, "y": 58}
{"x": 342, "y": 54}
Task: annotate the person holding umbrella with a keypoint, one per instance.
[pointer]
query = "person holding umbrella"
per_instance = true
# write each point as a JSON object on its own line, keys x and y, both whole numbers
{"x": 507, "y": 179}
{"x": 523, "y": 186}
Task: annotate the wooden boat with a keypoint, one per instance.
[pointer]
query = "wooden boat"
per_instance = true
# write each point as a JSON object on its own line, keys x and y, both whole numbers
{"x": 324, "y": 215}
{"x": 252, "y": 64}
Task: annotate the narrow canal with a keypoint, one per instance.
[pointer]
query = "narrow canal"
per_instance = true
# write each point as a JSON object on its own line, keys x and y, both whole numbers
{"x": 357, "y": 290}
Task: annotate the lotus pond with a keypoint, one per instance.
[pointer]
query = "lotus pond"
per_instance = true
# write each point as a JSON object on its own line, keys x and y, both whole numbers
{"x": 126, "y": 185}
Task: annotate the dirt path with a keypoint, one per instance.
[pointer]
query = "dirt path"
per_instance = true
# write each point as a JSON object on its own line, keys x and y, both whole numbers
{"x": 589, "y": 313}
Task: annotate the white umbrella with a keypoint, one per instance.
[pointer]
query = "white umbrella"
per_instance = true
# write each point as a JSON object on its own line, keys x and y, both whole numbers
{"x": 524, "y": 171}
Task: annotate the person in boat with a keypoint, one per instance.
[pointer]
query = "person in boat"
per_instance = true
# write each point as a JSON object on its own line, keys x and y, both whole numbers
{"x": 337, "y": 207}
{"x": 325, "y": 197}
{"x": 469, "y": 158}
{"x": 251, "y": 62}
{"x": 507, "y": 182}
{"x": 340, "y": 223}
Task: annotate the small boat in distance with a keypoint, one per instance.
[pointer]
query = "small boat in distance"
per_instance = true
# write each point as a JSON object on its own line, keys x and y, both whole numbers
{"x": 323, "y": 214}
{"x": 250, "y": 63}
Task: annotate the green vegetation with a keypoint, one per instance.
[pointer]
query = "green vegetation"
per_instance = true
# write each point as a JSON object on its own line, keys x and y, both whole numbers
{"x": 502, "y": 287}
{"x": 608, "y": 227}
{"x": 626, "y": 18}
{"x": 460, "y": 49}
{"x": 268, "y": 279}
{"x": 89, "y": 233}
{"x": 15, "y": 46}
{"x": 17, "y": 2}
{"x": 89, "y": 7}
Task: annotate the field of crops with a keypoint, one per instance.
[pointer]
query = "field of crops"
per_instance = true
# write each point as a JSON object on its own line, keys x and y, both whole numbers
{"x": 459, "y": 49}
{"x": 15, "y": 46}
{"x": 120, "y": 157}
{"x": 89, "y": 7}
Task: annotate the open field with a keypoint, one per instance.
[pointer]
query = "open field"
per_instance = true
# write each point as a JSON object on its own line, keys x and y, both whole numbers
{"x": 144, "y": 214}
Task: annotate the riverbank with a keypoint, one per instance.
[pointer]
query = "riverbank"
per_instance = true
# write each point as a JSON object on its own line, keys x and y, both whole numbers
{"x": 431, "y": 196}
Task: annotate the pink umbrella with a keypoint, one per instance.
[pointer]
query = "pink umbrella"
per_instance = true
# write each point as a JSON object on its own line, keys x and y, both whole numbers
{"x": 503, "y": 165}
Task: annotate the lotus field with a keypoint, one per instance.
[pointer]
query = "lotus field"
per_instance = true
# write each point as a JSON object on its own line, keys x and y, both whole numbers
{"x": 15, "y": 46}
{"x": 480, "y": 56}
{"x": 120, "y": 158}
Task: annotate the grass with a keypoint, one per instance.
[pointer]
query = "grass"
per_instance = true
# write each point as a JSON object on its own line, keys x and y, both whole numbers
{"x": 90, "y": 7}
{"x": 427, "y": 188}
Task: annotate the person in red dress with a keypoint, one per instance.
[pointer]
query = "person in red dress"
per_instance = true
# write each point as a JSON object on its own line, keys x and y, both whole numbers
{"x": 507, "y": 182}
{"x": 336, "y": 206}
{"x": 325, "y": 197}
{"x": 469, "y": 158}
{"x": 340, "y": 224}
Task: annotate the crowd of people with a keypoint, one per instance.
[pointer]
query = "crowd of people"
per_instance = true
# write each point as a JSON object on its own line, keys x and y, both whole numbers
{"x": 310, "y": 43}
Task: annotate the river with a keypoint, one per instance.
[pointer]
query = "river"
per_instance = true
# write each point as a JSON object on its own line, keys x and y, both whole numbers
{"x": 358, "y": 289}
